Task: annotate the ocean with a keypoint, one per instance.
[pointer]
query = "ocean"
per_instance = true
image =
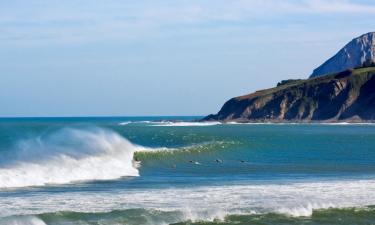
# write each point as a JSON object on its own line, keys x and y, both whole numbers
{"x": 146, "y": 171}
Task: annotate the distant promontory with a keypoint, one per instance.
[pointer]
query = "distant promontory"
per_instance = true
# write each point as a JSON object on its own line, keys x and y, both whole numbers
{"x": 342, "y": 89}
{"x": 357, "y": 53}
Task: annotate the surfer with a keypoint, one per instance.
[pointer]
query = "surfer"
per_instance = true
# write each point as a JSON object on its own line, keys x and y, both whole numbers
{"x": 194, "y": 162}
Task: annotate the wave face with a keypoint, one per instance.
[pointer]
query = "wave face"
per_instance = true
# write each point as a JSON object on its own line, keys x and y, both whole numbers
{"x": 68, "y": 155}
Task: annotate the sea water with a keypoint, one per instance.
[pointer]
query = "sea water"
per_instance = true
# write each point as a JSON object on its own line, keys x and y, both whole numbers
{"x": 151, "y": 170}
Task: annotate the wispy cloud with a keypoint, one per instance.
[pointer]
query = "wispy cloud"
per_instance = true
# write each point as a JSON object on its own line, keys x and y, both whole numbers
{"x": 88, "y": 20}
{"x": 337, "y": 6}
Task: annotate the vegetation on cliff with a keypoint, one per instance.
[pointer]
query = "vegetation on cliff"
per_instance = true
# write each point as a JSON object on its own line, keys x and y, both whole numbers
{"x": 344, "y": 96}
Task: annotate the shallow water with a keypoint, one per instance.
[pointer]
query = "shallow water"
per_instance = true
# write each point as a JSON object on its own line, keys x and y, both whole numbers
{"x": 138, "y": 171}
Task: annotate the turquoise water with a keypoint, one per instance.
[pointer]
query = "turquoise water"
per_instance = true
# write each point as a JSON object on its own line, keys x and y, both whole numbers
{"x": 145, "y": 170}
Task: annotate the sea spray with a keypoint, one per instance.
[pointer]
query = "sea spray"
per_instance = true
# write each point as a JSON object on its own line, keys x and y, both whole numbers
{"x": 69, "y": 155}
{"x": 21, "y": 220}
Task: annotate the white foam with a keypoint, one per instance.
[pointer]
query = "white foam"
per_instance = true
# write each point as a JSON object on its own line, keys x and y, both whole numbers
{"x": 171, "y": 123}
{"x": 262, "y": 123}
{"x": 347, "y": 124}
{"x": 213, "y": 123}
{"x": 24, "y": 220}
{"x": 125, "y": 123}
{"x": 204, "y": 203}
{"x": 135, "y": 122}
{"x": 69, "y": 155}
{"x": 184, "y": 124}
{"x": 304, "y": 210}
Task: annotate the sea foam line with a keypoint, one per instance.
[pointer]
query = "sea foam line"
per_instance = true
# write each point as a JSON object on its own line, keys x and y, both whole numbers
{"x": 294, "y": 199}
{"x": 21, "y": 220}
{"x": 171, "y": 123}
{"x": 185, "y": 124}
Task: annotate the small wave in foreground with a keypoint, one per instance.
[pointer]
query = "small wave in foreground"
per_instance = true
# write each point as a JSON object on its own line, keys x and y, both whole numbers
{"x": 332, "y": 216}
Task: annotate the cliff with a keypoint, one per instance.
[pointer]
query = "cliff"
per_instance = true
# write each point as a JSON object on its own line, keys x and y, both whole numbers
{"x": 360, "y": 51}
{"x": 344, "y": 96}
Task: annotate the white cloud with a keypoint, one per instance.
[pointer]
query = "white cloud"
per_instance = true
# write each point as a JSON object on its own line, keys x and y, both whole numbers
{"x": 337, "y": 6}
{"x": 79, "y": 21}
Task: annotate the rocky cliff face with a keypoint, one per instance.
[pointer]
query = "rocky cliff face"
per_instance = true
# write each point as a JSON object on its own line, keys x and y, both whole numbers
{"x": 355, "y": 54}
{"x": 345, "y": 96}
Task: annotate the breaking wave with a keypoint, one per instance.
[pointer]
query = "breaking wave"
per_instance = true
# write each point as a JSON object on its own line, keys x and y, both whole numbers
{"x": 339, "y": 216}
{"x": 69, "y": 155}
{"x": 196, "y": 203}
{"x": 171, "y": 123}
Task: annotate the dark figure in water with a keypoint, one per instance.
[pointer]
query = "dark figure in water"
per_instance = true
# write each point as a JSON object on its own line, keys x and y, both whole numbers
{"x": 195, "y": 162}
{"x": 219, "y": 161}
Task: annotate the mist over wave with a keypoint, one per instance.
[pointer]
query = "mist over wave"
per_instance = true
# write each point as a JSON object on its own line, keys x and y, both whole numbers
{"x": 21, "y": 220}
{"x": 68, "y": 155}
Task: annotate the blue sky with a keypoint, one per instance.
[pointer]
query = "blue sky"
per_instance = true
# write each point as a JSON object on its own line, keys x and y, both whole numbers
{"x": 162, "y": 57}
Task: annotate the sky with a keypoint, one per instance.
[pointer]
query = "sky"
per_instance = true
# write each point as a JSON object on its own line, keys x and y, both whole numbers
{"x": 162, "y": 57}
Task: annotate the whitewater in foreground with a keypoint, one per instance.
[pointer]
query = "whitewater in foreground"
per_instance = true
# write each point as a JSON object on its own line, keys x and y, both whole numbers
{"x": 111, "y": 171}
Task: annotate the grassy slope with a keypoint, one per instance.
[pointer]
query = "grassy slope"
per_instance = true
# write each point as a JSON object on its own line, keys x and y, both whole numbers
{"x": 311, "y": 98}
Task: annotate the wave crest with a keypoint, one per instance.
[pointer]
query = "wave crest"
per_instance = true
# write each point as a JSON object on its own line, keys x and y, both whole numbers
{"x": 21, "y": 220}
{"x": 69, "y": 155}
